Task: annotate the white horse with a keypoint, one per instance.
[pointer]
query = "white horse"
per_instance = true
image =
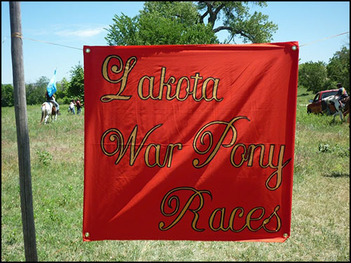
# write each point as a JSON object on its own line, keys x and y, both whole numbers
{"x": 334, "y": 100}
{"x": 48, "y": 109}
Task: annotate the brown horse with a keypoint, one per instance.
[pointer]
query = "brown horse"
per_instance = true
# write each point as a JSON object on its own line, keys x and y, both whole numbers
{"x": 346, "y": 101}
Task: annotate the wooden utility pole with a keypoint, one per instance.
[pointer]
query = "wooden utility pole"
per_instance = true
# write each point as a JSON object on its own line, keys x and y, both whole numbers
{"x": 25, "y": 179}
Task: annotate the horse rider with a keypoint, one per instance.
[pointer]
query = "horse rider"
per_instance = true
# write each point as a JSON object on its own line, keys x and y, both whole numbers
{"x": 342, "y": 94}
{"x": 52, "y": 99}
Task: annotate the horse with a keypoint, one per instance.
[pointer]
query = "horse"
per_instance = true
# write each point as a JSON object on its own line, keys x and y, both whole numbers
{"x": 334, "y": 101}
{"x": 48, "y": 109}
{"x": 346, "y": 101}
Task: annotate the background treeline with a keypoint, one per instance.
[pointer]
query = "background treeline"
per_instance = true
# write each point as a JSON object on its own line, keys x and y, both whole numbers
{"x": 316, "y": 76}
{"x": 35, "y": 92}
{"x": 178, "y": 22}
{"x": 313, "y": 76}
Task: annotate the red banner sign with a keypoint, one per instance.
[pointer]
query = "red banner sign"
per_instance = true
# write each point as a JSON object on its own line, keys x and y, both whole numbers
{"x": 189, "y": 142}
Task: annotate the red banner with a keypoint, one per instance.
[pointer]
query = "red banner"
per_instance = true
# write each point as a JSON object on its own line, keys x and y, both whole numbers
{"x": 189, "y": 142}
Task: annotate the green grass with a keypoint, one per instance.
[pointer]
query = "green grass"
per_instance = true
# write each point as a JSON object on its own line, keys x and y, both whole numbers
{"x": 320, "y": 213}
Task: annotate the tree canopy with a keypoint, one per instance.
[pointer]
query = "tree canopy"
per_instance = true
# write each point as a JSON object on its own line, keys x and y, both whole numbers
{"x": 312, "y": 75}
{"x": 339, "y": 68}
{"x": 75, "y": 87}
{"x": 317, "y": 76}
{"x": 7, "y": 98}
{"x": 189, "y": 23}
{"x": 237, "y": 20}
{"x": 35, "y": 92}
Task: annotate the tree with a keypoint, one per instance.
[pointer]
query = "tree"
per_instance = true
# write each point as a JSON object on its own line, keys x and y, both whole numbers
{"x": 76, "y": 86}
{"x": 7, "y": 95}
{"x": 313, "y": 76}
{"x": 62, "y": 89}
{"x": 35, "y": 93}
{"x": 238, "y": 21}
{"x": 161, "y": 23}
{"x": 182, "y": 23}
{"x": 339, "y": 68}
{"x": 172, "y": 23}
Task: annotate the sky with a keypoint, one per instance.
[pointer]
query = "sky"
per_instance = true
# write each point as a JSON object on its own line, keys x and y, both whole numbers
{"x": 54, "y": 33}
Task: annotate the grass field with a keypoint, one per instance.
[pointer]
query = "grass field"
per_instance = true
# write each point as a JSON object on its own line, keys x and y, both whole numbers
{"x": 320, "y": 229}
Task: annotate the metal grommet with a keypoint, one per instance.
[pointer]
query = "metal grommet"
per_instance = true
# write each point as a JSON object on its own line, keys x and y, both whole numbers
{"x": 294, "y": 47}
{"x": 86, "y": 234}
{"x": 87, "y": 50}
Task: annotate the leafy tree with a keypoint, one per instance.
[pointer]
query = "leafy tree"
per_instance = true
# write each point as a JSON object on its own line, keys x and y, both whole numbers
{"x": 172, "y": 23}
{"x": 316, "y": 76}
{"x": 182, "y": 23}
{"x": 76, "y": 85}
{"x": 161, "y": 23}
{"x": 7, "y": 95}
{"x": 35, "y": 93}
{"x": 31, "y": 94}
{"x": 313, "y": 76}
{"x": 339, "y": 68}
{"x": 237, "y": 20}
{"x": 123, "y": 31}
{"x": 62, "y": 89}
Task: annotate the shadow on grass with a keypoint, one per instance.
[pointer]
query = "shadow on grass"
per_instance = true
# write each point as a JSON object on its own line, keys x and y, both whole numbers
{"x": 337, "y": 174}
{"x": 303, "y": 94}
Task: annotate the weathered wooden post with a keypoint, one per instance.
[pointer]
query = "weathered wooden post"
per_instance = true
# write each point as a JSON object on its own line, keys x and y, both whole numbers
{"x": 22, "y": 133}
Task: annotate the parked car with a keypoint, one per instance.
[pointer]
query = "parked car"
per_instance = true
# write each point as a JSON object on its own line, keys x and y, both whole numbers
{"x": 315, "y": 105}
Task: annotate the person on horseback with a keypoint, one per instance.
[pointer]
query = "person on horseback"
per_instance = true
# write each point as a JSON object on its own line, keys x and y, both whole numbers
{"x": 52, "y": 99}
{"x": 342, "y": 94}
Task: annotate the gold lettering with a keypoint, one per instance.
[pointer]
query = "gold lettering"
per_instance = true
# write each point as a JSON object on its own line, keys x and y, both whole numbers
{"x": 204, "y": 144}
{"x": 215, "y": 89}
{"x": 118, "y": 145}
{"x": 250, "y": 156}
{"x": 134, "y": 152}
{"x": 232, "y": 154}
{"x": 175, "y": 199}
{"x": 217, "y": 218}
{"x": 140, "y": 87}
{"x": 278, "y": 223}
{"x": 232, "y": 219}
{"x": 203, "y": 134}
{"x": 250, "y": 218}
{"x": 178, "y": 89}
{"x": 168, "y": 154}
{"x": 196, "y": 79}
{"x": 279, "y": 170}
{"x": 247, "y": 222}
{"x": 116, "y": 69}
{"x": 179, "y": 85}
{"x": 170, "y": 81}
